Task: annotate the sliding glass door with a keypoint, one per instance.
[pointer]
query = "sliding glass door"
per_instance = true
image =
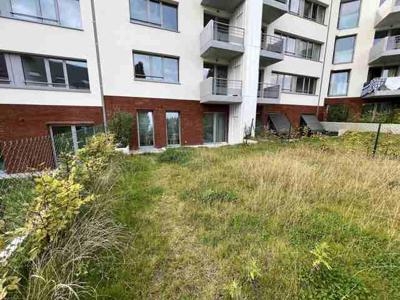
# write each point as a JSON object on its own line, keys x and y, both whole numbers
{"x": 173, "y": 128}
{"x": 146, "y": 128}
{"x": 214, "y": 127}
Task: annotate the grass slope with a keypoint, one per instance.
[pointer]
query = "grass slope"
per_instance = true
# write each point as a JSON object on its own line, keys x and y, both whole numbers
{"x": 241, "y": 222}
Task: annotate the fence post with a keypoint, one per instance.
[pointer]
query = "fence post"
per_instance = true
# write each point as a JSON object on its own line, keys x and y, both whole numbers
{"x": 377, "y": 139}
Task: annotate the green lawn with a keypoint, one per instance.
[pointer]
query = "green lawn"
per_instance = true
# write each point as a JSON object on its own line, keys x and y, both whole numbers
{"x": 275, "y": 220}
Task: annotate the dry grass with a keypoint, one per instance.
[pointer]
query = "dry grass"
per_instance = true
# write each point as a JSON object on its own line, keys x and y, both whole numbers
{"x": 240, "y": 223}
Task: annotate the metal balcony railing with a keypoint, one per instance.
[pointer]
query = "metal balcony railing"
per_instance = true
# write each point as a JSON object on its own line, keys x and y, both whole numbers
{"x": 223, "y": 33}
{"x": 268, "y": 91}
{"x": 272, "y": 43}
{"x": 221, "y": 87}
{"x": 393, "y": 43}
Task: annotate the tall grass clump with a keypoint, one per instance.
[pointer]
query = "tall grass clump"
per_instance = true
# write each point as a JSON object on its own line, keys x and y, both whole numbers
{"x": 67, "y": 226}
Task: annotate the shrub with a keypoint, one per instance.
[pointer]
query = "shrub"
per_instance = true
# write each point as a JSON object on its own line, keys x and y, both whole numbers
{"x": 177, "y": 156}
{"x": 121, "y": 127}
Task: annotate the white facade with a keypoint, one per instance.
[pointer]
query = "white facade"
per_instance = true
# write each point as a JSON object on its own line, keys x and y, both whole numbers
{"x": 29, "y": 37}
{"x": 119, "y": 37}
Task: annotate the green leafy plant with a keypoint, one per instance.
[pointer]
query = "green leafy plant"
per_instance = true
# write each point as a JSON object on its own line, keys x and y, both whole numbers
{"x": 234, "y": 290}
{"x": 121, "y": 127}
{"x": 321, "y": 256}
{"x": 253, "y": 270}
{"x": 8, "y": 284}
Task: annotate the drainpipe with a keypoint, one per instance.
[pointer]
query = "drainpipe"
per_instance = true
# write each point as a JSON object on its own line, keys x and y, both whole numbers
{"x": 325, "y": 54}
{"x": 96, "y": 41}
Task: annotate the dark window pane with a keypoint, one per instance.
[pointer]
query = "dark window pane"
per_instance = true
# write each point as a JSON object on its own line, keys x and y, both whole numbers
{"x": 173, "y": 128}
{"x": 339, "y": 83}
{"x": 34, "y": 70}
{"x": 25, "y": 9}
{"x": 48, "y": 10}
{"x": 57, "y": 73}
{"x": 171, "y": 70}
{"x": 344, "y": 49}
{"x": 62, "y": 139}
{"x": 142, "y": 66}
{"x": 78, "y": 76}
{"x": 155, "y": 12}
{"x": 349, "y": 14}
{"x": 70, "y": 13}
{"x": 156, "y": 68}
{"x": 208, "y": 128}
{"x": 146, "y": 128}
{"x": 170, "y": 16}
{"x": 139, "y": 10}
{"x": 3, "y": 70}
{"x": 83, "y": 133}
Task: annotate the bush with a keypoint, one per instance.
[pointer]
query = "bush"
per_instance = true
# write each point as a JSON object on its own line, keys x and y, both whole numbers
{"x": 177, "y": 156}
{"x": 121, "y": 127}
{"x": 67, "y": 226}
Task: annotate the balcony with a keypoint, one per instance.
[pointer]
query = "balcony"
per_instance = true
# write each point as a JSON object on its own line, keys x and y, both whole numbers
{"x": 274, "y": 9}
{"x": 382, "y": 87}
{"x": 220, "y": 91}
{"x": 227, "y": 5}
{"x": 388, "y": 14}
{"x": 221, "y": 41}
{"x": 271, "y": 50}
{"x": 268, "y": 92}
{"x": 386, "y": 50}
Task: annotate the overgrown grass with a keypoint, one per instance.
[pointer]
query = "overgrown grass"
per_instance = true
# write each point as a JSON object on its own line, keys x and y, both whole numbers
{"x": 245, "y": 222}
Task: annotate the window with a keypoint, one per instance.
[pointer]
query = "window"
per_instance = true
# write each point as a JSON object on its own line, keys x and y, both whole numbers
{"x": 57, "y": 12}
{"x": 57, "y": 73}
{"x": 349, "y": 14}
{"x": 4, "y": 79}
{"x": 339, "y": 83}
{"x": 295, "y": 83}
{"x": 70, "y": 138}
{"x": 344, "y": 49}
{"x": 78, "y": 76}
{"x": 308, "y": 9}
{"x": 146, "y": 128}
{"x": 300, "y": 47}
{"x": 173, "y": 128}
{"x": 338, "y": 113}
{"x": 155, "y": 13}
{"x": 214, "y": 128}
{"x": 156, "y": 68}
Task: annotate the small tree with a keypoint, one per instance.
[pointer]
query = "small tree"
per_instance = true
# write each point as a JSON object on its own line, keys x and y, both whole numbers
{"x": 121, "y": 127}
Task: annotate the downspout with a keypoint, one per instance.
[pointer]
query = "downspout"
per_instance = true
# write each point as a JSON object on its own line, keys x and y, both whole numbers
{"x": 325, "y": 54}
{"x": 96, "y": 41}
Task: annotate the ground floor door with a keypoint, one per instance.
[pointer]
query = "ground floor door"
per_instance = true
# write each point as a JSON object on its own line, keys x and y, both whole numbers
{"x": 215, "y": 127}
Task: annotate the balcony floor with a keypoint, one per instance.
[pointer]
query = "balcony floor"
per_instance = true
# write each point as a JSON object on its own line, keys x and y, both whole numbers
{"x": 391, "y": 19}
{"x": 268, "y": 58}
{"x": 227, "y": 5}
{"x": 273, "y": 10}
{"x": 221, "y": 99}
{"x": 386, "y": 57}
{"x": 218, "y": 49}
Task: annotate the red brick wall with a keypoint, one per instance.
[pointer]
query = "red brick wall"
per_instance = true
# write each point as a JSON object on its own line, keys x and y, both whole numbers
{"x": 24, "y": 134}
{"x": 292, "y": 112}
{"x": 191, "y": 113}
{"x": 21, "y": 121}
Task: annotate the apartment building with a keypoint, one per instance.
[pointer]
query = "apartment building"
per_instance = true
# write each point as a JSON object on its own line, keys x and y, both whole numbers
{"x": 194, "y": 72}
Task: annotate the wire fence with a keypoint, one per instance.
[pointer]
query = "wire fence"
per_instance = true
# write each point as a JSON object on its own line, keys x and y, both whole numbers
{"x": 23, "y": 159}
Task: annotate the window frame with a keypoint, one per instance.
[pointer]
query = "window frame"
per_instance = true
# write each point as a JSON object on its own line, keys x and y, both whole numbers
{"x": 302, "y": 13}
{"x": 307, "y": 83}
{"x": 18, "y": 79}
{"x": 348, "y": 71}
{"x": 353, "y": 52}
{"x": 162, "y": 56}
{"x": 339, "y": 15}
{"x": 8, "y": 12}
{"x": 152, "y": 24}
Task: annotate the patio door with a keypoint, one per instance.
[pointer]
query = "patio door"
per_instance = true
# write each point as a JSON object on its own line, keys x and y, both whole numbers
{"x": 145, "y": 128}
{"x": 215, "y": 127}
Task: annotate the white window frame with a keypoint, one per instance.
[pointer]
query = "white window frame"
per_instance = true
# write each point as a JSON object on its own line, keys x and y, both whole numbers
{"x": 138, "y": 129}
